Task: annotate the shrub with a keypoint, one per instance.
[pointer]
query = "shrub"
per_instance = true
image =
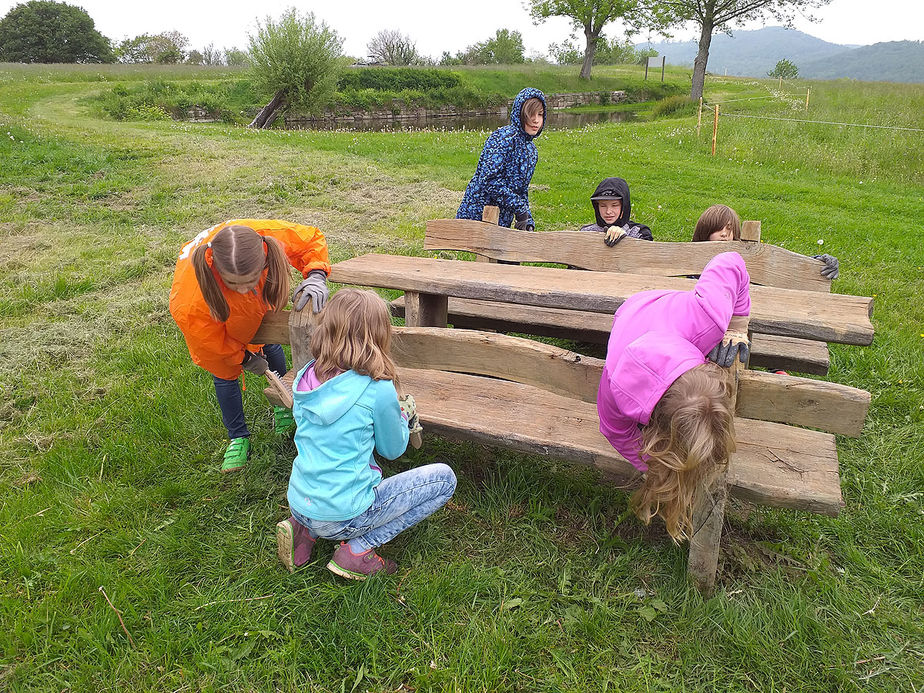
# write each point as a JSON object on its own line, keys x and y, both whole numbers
{"x": 396, "y": 79}
{"x": 674, "y": 107}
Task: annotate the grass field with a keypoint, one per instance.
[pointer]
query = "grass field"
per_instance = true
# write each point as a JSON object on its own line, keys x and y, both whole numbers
{"x": 110, "y": 438}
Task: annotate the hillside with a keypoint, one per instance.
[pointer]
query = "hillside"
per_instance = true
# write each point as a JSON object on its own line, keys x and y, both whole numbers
{"x": 895, "y": 61}
{"x": 755, "y": 53}
{"x": 751, "y": 53}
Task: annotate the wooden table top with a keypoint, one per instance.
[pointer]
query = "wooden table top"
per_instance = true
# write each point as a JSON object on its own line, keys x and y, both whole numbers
{"x": 806, "y": 314}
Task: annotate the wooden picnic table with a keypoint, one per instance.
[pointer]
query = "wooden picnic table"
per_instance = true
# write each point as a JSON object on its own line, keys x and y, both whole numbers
{"x": 428, "y": 283}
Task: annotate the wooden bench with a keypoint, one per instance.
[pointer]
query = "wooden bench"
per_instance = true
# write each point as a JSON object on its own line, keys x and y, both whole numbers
{"x": 536, "y": 398}
{"x": 768, "y": 265}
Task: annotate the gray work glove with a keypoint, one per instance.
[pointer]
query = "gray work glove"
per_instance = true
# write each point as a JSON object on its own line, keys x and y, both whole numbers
{"x": 313, "y": 287}
{"x": 613, "y": 235}
{"x": 254, "y": 363}
{"x": 523, "y": 222}
{"x": 733, "y": 344}
{"x": 830, "y": 270}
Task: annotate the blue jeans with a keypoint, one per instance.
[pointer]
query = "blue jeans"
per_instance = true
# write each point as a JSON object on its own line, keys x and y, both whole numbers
{"x": 229, "y": 396}
{"x": 401, "y": 501}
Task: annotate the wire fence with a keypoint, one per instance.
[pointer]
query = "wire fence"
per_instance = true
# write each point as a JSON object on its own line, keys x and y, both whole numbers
{"x": 821, "y": 122}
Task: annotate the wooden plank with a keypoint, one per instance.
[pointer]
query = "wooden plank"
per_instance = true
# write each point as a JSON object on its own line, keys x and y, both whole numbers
{"x": 425, "y": 310}
{"x": 489, "y": 215}
{"x": 813, "y": 403}
{"x": 499, "y": 356}
{"x": 802, "y": 314}
{"x": 301, "y": 325}
{"x": 767, "y": 264}
{"x": 274, "y": 329}
{"x": 775, "y": 465}
{"x": 767, "y": 351}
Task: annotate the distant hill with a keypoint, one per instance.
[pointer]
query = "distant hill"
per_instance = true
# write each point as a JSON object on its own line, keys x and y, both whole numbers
{"x": 755, "y": 53}
{"x": 895, "y": 61}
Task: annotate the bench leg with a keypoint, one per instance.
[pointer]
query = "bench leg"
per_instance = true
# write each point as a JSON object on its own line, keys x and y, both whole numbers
{"x": 425, "y": 310}
{"x": 708, "y": 518}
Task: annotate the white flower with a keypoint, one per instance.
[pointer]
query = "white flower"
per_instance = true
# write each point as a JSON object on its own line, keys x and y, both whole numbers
{"x": 821, "y": 241}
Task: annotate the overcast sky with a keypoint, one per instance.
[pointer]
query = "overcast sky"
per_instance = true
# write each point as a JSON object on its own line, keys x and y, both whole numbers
{"x": 448, "y": 26}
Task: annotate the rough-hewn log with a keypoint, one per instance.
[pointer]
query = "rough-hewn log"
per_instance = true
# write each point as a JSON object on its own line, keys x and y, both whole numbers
{"x": 268, "y": 113}
{"x": 767, "y": 351}
{"x": 767, "y": 264}
{"x": 425, "y": 310}
{"x": 802, "y": 314}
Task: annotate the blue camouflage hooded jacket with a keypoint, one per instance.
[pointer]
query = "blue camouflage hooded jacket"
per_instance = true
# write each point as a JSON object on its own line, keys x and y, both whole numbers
{"x": 505, "y": 168}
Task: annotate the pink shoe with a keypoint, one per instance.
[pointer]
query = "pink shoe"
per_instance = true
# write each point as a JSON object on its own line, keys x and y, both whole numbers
{"x": 359, "y": 566}
{"x": 293, "y": 543}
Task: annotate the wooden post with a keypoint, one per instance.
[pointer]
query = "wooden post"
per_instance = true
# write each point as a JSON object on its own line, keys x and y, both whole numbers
{"x": 663, "y": 61}
{"x": 301, "y": 325}
{"x": 781, "y": 82}
{"x": 646, "y": 66}
{"x": 715, "y": 128}
{"x": 808, "y": 91}
{"x": 750, "y": 231}
{"x": 699, "y": 116}
{"x": 709, "y": 504}
{"x": 490, "y": 215}
{"x": 425, "y": 310}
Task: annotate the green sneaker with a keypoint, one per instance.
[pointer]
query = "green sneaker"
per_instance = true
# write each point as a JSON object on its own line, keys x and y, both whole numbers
{"x": 236, "y": 455}
{"x": 283, "y": 420}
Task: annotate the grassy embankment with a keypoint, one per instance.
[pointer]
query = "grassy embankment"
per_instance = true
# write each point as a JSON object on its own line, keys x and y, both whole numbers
{"x": 110, "y": 439}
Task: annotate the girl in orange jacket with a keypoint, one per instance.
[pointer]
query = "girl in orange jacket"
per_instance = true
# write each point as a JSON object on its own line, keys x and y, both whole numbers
{"x": 226, "y": 279}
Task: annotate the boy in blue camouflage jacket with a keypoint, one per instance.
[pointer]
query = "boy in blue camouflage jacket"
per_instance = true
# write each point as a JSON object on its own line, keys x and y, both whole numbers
{"x": 506, "y": 165}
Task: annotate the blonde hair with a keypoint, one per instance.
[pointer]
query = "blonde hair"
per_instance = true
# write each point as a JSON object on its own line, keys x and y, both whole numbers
{"x": 715, "y": 219}
{"x": 354, "y": 334}
{"x": 241, "y": 251}
{"x": 690, "y": 432}
{"x": 531, "y": 107}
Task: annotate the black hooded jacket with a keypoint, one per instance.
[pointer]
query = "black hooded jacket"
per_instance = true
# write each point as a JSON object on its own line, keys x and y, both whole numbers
{"x": 617, "y": 187}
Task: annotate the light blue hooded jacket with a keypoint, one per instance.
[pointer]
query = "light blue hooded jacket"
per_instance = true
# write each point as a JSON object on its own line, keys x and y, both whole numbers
{"x": 339, "y": 423}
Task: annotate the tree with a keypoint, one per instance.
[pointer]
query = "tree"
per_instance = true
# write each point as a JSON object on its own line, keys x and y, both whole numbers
{"x": 504, "y": 48}
{"x": 712, "y": 15}
{"x": 392, "y": 48}
{"x": 165, "y": 48}
{"x": 212, "y": 55}
{"x": 785, "y": 69}
{"x": 235, "y": 57}
{"x": 42, "y": 31}
{"x": 298, "y": 59}
{"x": 590, "y": 16}
{"x": 194, "y": 57}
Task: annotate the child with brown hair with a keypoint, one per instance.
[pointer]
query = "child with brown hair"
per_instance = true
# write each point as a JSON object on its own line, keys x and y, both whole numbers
{"x": 346, "y": 407}
{"x": 506, "y": 165}
{"x": 722, "y": 223}
{"x": 662, "y": 405}
{"x": 226, "y": 279}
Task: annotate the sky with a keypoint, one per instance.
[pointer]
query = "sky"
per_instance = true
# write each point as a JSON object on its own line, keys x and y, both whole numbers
{"x": 454, "y": 25}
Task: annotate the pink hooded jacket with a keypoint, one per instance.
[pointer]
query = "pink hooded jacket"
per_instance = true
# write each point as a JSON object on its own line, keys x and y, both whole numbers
{"x": 658, "y": 336}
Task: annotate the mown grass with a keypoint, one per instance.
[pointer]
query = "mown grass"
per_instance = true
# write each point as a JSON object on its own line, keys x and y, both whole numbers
{"x": 110, "y": 437}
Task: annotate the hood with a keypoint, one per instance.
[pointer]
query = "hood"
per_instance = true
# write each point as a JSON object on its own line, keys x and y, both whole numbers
{"x": 521, "y": 98}
{"x": 646, "y": 368}
{"x": 333, "y": 398}
{"x": 621, "y": 189}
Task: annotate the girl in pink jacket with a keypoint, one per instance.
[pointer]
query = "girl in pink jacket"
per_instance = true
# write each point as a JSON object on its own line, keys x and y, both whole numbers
{"x": 662, "y": 404}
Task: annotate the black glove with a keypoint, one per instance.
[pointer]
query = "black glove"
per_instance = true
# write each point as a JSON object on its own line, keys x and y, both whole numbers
{"x": 523, "y": 222}
{"x": 614, "y": 234}
{"x": 733, "y": 344}
{"x": 313, "y": 287}
{"x": 254, "y": 363}
{"x": 830, "y": 270}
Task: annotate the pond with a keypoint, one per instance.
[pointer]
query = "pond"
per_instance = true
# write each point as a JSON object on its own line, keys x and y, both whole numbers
{"x": 557, "y": 120}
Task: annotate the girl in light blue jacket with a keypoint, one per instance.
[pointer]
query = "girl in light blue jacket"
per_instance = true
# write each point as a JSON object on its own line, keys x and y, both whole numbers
{"x": 346, "y": 406}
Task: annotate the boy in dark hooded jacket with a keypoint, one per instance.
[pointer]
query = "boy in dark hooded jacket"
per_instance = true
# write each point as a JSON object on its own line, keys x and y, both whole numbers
{"x": 612, "y": 208}
{"x": 506, "y": 165}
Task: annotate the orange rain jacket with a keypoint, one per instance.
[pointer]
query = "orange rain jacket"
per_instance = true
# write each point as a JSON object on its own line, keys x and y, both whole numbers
{"x": 218, "y": 347}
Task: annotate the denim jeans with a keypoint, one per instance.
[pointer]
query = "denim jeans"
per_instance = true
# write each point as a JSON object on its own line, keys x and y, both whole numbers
{"x": 229, "y": 396}
{"x": 401, "y": 501}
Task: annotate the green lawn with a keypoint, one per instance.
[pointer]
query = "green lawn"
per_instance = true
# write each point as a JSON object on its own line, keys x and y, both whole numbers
{"x": 110, "y": 438}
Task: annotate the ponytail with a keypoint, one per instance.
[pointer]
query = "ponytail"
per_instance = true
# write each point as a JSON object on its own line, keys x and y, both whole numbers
{"x": 208, "y": 285}
{"x": 276, "y": 287}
